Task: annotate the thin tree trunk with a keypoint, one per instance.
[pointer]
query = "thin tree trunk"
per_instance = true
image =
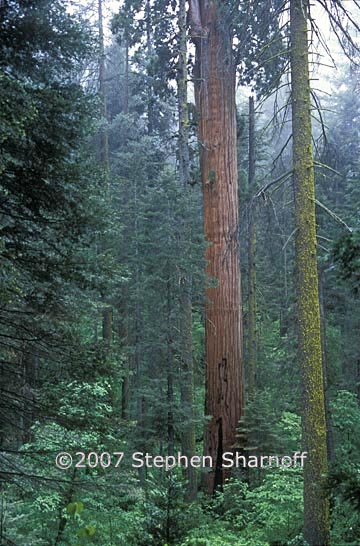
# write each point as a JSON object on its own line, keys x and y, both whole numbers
{"x": 182, "y": 77}
{"x": 329, "y": 434}
{"x": 217, "y": 135}
{"x": 104, "y": 145}
{"x": 140, "y": 397}
{"x": 125, "y": 397}
{"x": 62, "y": 519}
{"x": 316, "y": 509}
{"x": 107, "y": 325}
{"x": 104, "y": 152}
{"x": 28, "y": 390}
{"x": 125, "y": 387}
{"x": 186, "y": 341}
{"x": 107, "y": 335}
{"x": 188, "y": 440}
{"x": 126, "y": 83}
{"x": 170, "y": 376}
{"x": 170, "y": 404}
{"x": 138, "y": 328}
{"x": 252, "y": 157}
{"x": 252, "y": 331}
{"x": 149, "y": 50}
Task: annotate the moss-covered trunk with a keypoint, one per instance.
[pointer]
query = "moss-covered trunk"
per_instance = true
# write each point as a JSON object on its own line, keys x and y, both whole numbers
{"x": 217, "y": 135}
{"x": 316, "y": 517}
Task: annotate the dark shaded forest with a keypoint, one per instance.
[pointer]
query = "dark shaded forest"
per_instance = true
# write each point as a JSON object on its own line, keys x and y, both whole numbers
{"x": 180, "y": 269}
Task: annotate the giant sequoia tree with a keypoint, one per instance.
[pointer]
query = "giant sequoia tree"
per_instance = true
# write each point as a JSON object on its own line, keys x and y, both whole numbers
{"x": 215, "y": 95}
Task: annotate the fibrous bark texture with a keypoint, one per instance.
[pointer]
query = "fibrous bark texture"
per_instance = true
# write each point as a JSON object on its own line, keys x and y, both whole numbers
{"x": 215, "y": 94}
{"x": 316, "y": 517}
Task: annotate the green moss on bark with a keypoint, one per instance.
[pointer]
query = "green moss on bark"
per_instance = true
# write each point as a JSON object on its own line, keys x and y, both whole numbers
{"x": 316, "y": 511}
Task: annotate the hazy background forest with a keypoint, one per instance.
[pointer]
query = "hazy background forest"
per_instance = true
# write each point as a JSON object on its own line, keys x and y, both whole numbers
{"x": 102, "y": 280}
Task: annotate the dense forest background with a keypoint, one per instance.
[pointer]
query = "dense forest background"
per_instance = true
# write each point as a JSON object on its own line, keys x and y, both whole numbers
{"x": 102, "y": 281}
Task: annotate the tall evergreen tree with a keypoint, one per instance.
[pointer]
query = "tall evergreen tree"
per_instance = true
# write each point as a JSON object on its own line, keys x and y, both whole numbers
{"x": 252, "y": 331}
{"x": 316, "y": 508}
{"x": 186, "y": 325}
{"x": 215, "y": 96}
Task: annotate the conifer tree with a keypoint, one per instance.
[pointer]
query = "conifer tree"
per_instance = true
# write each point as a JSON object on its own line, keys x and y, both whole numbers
{"x": 215, "y": 97}
{"x": 252, "y": 332}
{"x": 186, "y": 358}
{"x": 316, "y": 509}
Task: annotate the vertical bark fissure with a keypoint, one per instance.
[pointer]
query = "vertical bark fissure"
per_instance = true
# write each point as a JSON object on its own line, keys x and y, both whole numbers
{"x": 215, "y": 95}
{"x": 316, "y": 516}
{"x": 218, "y": 480}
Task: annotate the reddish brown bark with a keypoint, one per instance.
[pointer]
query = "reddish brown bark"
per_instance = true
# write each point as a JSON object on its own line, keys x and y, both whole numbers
{"x": 215, "y": 95}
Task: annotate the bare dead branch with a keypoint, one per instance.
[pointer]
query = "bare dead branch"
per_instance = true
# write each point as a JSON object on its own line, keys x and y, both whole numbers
{"x": 333, "y": 215}
{"x": 283, "y": 178}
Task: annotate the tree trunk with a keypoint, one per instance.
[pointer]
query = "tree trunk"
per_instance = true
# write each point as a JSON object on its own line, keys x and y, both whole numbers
{"x": 122, "y": 331}
{"x": 316, "y": 510}
{"x": 182, "y": 77}
{"x": 126, "y": 82}
{"x": 30, "y": 373}
{"x": 170, "y": 374}
{"x": 107, "y": 325}
{"x": 63, "y": 520}
{"x": 329, "y": 434}
{"x": 104, "y": 145}
{"x": 104, "y": 155}
{"x": 252, "y": 332}
{"x": 140, "y": 410}
{"x": 125, "y": 396}
{"x": 188, "y": 441}
{"x": 125, "y": 386}
{"x": 217, "y": 135}
{"x": 151, "y": 111}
